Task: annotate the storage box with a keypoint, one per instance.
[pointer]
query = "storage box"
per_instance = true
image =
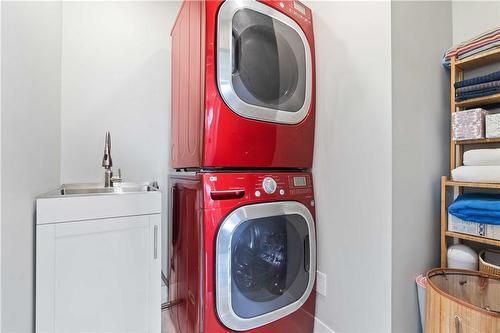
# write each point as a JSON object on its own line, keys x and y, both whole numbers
{"x": 473, "y": 228}
{"x": 492, "y": 125}
{"x": 468, "y": 125}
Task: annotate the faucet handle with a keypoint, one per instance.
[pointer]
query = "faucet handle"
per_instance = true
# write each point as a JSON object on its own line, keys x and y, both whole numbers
{"x": 117, "y": 179}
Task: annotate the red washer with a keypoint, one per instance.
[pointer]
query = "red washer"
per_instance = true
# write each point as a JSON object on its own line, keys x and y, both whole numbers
{"x": 242, "y": 252}
{"x": 243, "y": 85}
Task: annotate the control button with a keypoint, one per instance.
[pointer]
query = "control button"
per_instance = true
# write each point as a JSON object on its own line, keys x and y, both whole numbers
{"x": 312, "y": 203}
{"x": 257, "y": 194}
{"x": 269, "y": 185}
{"x": 282, "y": 191}
{"x": 282, "y": 5}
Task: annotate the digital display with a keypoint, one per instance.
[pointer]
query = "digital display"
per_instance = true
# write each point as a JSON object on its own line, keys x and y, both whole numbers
{"x": 300, "y": 8}
{"x": 299, "y": 181}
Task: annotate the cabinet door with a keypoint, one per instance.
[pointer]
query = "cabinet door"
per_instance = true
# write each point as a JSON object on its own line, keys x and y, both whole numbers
{"x": 99, "y": 276}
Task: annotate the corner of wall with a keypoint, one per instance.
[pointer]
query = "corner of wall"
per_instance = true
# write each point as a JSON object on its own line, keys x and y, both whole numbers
{"x": 1, "y": 159}
{"x": 415, "y": 125}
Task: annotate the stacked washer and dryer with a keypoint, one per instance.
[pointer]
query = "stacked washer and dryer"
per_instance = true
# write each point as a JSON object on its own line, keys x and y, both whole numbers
{"x": 242, "y": 239}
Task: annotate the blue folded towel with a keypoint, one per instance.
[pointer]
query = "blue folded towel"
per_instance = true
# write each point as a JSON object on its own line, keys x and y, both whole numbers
{"x": 477, "y": 207}
{"x": 479, "y": 93}
{"x": 477, "y": 80}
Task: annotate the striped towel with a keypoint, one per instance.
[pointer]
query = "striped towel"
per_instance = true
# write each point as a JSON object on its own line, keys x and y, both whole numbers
{"x": 478, "y": 87}
{"x": 495, "y": 76}
{"x": 478, "y": 93}
{"x": 480, "y": 43}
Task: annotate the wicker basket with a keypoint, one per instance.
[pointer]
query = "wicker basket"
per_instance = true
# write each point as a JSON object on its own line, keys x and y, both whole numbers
{"x": 488, "y": 267}
{"x": 462, "y": 301}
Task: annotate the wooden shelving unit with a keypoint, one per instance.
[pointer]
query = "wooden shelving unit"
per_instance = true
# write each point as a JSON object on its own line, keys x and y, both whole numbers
{"x": 473, "y": 238}
{"x": 477, "y": 141}
{"x": 480, "y": 59}
{"x": 457, "y": 147}
{"x": 474, "y": 185}
{"x": 480, "y": 101}
{"x": 445, "y": 183}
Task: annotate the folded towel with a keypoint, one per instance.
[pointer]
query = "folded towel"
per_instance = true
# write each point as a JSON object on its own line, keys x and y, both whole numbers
{"x": 478, "y": 87}
{"x": 481, "y": 157}
{"x": 478, "y": 93}
{"x": 469, "y": 46}
{"x": 477, "y": 207}
{"x": 478, "y": 174}
{"x": 495, "y": 76}
{"x": 484, "y": 48}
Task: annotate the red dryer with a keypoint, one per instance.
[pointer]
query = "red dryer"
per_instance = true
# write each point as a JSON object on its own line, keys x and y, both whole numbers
{"x": 242, "y": 252}
{"x": 243, "y": 81}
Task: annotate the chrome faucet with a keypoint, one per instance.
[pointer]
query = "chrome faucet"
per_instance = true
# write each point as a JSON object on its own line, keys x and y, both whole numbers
{"x": 107, "y": 164}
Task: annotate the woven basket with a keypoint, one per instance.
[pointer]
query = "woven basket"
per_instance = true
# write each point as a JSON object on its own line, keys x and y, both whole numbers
{"x": 486, "y": 266}
{"x": 462, "y": 301}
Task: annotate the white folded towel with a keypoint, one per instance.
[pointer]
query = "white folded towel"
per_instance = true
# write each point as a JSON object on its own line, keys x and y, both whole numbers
{"x": 478, "y": 174}
{"x": 477, "y": 157}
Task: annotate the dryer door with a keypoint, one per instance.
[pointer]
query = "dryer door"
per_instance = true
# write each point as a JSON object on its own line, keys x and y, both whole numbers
{"x": 265, "y": 263}
{"x": 263, "y": 63}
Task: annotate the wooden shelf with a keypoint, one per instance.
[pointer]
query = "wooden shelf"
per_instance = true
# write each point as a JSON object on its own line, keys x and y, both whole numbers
{"x": 477, "y": 141}
{"x": 457, "y": 68}
{"x": 479, "y": 101}
{"x": 473, "y": 185}
{"x": 477, "y": 239}
{"x": 444, "y": 216}
{"x": 480, "y": 59}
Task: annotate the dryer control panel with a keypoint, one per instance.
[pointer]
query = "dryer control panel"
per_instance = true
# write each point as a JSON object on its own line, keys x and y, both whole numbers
{"x": 295, "y": 9}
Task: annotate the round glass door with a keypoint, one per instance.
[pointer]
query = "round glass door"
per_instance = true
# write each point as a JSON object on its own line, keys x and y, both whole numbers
{"x": 264, "y": 68}
{"x": 269, "y": 62}
{"x": 265, "y": 263}
{"x": 268, "y": 266}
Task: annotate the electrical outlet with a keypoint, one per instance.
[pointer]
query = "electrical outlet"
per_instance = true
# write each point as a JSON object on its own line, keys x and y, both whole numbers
{"x": 321, "y": 283}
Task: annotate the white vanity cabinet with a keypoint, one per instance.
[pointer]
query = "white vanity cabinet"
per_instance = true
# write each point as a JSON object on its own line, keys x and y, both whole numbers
{"x": 98, "y": 263}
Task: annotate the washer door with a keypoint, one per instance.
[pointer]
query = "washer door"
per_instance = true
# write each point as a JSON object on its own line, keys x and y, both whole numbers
{"x": 265, "y": 263}
{"x": 263, "y": 63}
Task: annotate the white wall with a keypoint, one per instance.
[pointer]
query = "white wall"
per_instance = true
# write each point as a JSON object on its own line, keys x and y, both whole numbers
{"x": 31, "y": 73}
{"x": 0, "y": 174}
{"x": 421, "y": 32}
{"x": 352, "y": 163}
{"x": 471, "y": 18}
{"x": 116, "y": 77}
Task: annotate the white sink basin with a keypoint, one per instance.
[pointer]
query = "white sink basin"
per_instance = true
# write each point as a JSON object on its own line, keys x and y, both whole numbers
{"x": 75, "y": 202}
{"x": 98, "y": 188}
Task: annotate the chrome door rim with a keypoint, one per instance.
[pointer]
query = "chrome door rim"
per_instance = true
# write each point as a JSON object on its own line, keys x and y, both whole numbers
{"x": 224, "y": 65}
{"x": 223, "y": 278}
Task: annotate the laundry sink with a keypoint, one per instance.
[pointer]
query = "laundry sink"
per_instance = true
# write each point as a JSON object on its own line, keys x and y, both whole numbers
{"x": 90, "y": 239}
{"x": 96, "y": 188}
{"x": 86, "y": 201}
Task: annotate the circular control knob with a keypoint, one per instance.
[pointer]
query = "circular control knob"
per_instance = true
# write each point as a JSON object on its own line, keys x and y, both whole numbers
{"x": 269, "y": 185}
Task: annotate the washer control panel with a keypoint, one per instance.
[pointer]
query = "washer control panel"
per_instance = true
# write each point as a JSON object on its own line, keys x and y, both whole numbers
{"x": 223, "y": 189}
{"x": 279, "y": 185}
{"x": 269, "y": 185}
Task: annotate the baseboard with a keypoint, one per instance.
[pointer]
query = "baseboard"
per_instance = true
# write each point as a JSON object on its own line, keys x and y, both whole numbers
{"x": 321, "y": 327}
